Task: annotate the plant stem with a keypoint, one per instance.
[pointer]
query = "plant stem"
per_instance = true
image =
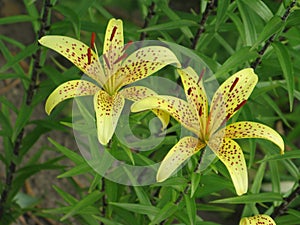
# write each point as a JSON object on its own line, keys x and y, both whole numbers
{"x": 149, "y": 16}
{"x": 272, "y": 38}
{"x": 29, "y": 96}
{"x": 286, "y": 201}
{"x": 202, "y": 23}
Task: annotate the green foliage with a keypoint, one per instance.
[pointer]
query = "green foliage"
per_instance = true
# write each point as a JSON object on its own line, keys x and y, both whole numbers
{"x": 233, "y": 35}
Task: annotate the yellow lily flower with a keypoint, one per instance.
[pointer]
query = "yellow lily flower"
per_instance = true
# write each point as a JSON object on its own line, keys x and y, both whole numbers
{"x": 118, "y": 70}
{"x": 258, "y": 219}
{"x": 207, "y": 125}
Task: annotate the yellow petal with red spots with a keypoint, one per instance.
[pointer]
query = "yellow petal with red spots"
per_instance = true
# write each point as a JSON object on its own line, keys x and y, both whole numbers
{"x": 136, "y": 93}
{"x": 177, "y": 108}
{"x": 68, "y": 90}
{"x": 231, "y": 154}
{"x": 184, "y": 149}
{"x": 230, "y": 97}
{"x": 195, "y": 93}
{"x": 108, "y": 109}
{"x": 144, "y": 62}
{"x": 257, "y": 220}
{"x": 77, "y": 53}
{"x": 113, "y": 46}
{"x": 247, "y": 129}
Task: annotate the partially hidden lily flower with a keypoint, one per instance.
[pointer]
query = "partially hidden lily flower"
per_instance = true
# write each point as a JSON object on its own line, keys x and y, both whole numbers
{"x": 257, "y": 220}
{"x": 207, "y": 123}
{"x": 118, "y": 70}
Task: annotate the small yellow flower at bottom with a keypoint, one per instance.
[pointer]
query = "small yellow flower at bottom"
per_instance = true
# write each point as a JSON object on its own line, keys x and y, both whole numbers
{"x": 257, "y": 220}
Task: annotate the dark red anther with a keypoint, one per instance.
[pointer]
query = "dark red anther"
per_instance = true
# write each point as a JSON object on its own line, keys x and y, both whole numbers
{"x": 106, "y": 61}
{"x": 127, "y": 45}
{"x": 89, "y": 56}
{"x": 240, "y": 105}
{"x": 233, "y": 84}
{"x": 113, "y": 33}
{"x": 93, "y": 37}
{"x": 201, "y": 75}
{"x": 120, "y": 58}
{"x": 189, "y": 91}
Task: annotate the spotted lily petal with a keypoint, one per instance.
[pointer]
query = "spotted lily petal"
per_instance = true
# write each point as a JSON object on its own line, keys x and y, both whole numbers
{"x": 177, "y": 108}
{"x": 247, "y": 129}
{"x": 230, "y": 97}
{"x": 77, "y": 53}
{"x": 185, "y": 148}
{"x": 195, "y": 93}
{"x": 113, "y": 46}
{"x": 257, "y": 220}
{"x": 108, "y": 109}
{"x": 136, "y": 93}
{"x": 144, "y": 62}
{"x": 231, "y": 154}
{"x": 68, "y": 90}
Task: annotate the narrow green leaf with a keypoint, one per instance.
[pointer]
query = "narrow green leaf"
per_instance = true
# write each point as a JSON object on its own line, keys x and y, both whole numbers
{"x": 213, "y": 208}
{"x": 173, "y": 16}
{"x": 107, "y": 221}
{"x": 27, "y": 51}
{"x": 168, "y": 210}
{"x": 137, "y": 208}
{"x": 240, "y": 57}
{"x": 221, "y": 12}
{"x": 260, "y": 8}
{"x": 294, "y": 154}
{"x": 66, "y": 196}
{"x": 251, "y": 198}
{"x": 248, "y": 22}
{"x": 33, "y": 12}
{"x": 16, "y": 19}
{"x": 22, "y": 119}
{"x": 275, "y": 107}
{"x": 275, "y": 176}
{"x": 287, "y": 69}
{"x": 238, "y": 24}
{"x": 82, "y": 204}
{"x": 272, "y": 27}
{"x": 12, "y": 41}
{"x": 195, "y": 180}
{"x": 77, "y": 159}
{"x": 176, "y": 24}
{"x": 83, "y": 168}
{"x": 72, "y": 16}
{"x": 191, "y": 209}
{"x": 257, "y": 181}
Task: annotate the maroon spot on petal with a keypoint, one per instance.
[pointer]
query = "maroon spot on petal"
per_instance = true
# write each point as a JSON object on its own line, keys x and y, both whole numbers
{"x": 200, "y": 111}
{"x": 89, "y": 56}
{"x": 113, "y": 33}
{"x": 189, "y": 91}
{"x": 240, "y": 105}
{"x": 233, "y": 84}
